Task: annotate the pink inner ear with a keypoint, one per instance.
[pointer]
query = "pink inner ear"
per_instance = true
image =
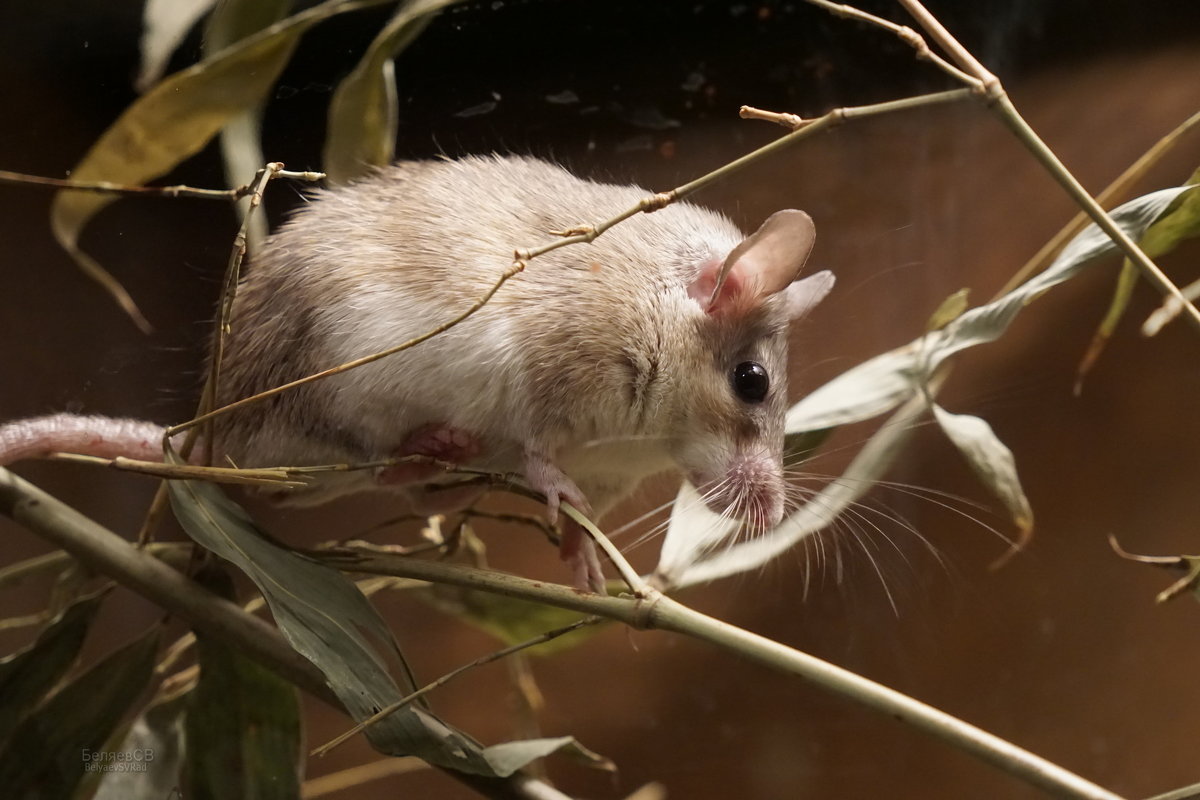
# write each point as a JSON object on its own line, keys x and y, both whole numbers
{"x": 701, "y": 289}
{"x": 764, "y": 263}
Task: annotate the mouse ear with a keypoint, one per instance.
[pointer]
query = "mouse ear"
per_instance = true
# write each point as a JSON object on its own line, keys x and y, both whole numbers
{"x": 767, "y": 261}
{"x": 803, "y": 296}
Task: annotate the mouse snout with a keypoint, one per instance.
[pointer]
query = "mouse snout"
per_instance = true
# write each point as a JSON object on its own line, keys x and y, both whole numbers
{"x": 750, "y": 488}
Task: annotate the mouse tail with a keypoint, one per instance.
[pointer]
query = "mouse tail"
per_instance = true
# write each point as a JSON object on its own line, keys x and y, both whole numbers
{"x": 104, "y": 437}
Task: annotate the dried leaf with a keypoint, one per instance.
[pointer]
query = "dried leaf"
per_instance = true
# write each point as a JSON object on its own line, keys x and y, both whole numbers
{"x": 691, "y": 552}
{"x": 992, "y": 462}
{"x": 885, "y": 381}
{"x": 52, "y": 748}
{"x": 173, "y": 121}
{"x": 241, "y": 138}
{"x": 868, "y": 390}
{"x": 29, "y": 674}
{"x": 363, "y": 115}
{"x": 165, "y": 23}
{"x": 1181, "y": 222}
{"x": 799, "y": 447}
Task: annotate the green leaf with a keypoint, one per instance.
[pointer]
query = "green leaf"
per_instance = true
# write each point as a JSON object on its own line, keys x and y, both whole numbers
{"x": 992, "y": 462}
{"x": 950, "y": 309}
{"x": 51, "y": 749}
{"x": 175, "y": 120}
{"x": 799, "y": 447}
{"x": 363, "y": 115}
{"x": 1122, "y": 294}
{"x": 29, "y": 674}
{"x": 510, "y": 620}
{"x": 1181, "y": 221}
{"x": 324, "y": 616}
{"x": 165, "y": 23}
{"x": 243, "y": 730}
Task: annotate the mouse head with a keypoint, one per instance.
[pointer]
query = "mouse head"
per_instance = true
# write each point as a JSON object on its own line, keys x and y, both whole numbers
{"x": 728, "y": 428}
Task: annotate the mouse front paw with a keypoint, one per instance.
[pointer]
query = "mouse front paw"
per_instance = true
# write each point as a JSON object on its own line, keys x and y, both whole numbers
{"x": 576, "y": 549}
{"x": 545, "y": 477}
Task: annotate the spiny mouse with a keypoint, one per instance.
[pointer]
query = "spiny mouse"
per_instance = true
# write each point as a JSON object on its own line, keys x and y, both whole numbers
{"x": 660, "y": 345}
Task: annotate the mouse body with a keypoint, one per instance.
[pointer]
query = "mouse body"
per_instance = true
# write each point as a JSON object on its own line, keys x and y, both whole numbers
{"x": 660, "y": 345}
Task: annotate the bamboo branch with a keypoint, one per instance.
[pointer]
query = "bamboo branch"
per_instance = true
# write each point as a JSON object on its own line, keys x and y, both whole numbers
{"x": 656, "y": 611}
{"x": 109, "y": 554}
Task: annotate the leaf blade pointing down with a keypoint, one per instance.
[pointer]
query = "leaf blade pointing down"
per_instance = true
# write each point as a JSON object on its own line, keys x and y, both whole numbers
{"x": 992, "y": 462}
{"x": 174, "y": 120}
{"x": 363, "y": 114}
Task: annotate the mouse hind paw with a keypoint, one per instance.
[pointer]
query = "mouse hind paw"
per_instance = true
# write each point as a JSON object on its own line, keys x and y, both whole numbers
{"x": 435, "y": 440}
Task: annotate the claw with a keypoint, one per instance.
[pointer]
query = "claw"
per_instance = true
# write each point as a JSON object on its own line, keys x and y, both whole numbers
{"x": 577, "y": 549}
{"x": 579, "y": 552}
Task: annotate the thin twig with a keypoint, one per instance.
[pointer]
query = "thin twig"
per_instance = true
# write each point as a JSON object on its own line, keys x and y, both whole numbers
{"x": 107, "y": 187}
{"x": 368, "y": 587}
{"x": 27, "y": 620}
{"x": 795, "y": 122}
{"x": 15, "y": 574}
{"x": 264, "y": 476}
{"x": 998, "y": 99}
{"x": 356, "y": 776}
{"x": 976, "y": 72}
{"x": 449, "y": 676}
{"x": 1117, "y": 188}
{"x": 531, "y": 520}
{"x": 654, "y": 202}
{"x": 668, "y": 614}
{"x": 208, "y": 395}
{"x": 906, "y": 35}
{"x": 233, "y": 272}
{"x": 655, "y": 611}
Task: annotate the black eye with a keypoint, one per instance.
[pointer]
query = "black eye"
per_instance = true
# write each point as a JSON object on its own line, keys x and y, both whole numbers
{"x": 750, "y": 381}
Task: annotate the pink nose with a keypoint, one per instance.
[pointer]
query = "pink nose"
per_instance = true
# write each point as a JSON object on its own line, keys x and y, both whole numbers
{"x": 751, "y": 490}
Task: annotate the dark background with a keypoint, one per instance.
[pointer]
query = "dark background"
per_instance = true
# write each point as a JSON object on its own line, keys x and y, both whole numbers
{"x": 1062, "y": 651}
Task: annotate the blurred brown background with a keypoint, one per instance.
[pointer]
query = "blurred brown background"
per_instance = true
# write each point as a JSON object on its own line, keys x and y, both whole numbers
{"x": 1063, "y": 651}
